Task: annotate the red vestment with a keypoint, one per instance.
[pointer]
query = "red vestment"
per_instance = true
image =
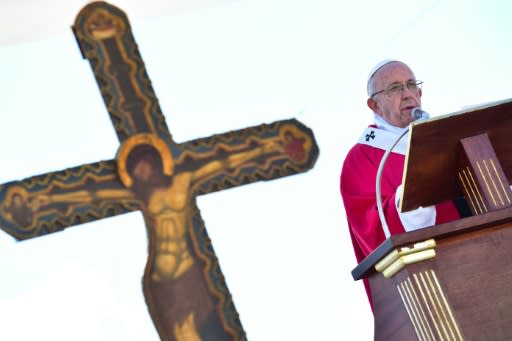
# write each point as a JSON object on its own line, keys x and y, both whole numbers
{"x": 357, "y": 187}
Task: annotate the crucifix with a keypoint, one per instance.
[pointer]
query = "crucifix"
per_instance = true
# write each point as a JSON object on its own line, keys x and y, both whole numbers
{"x": 183, "y": 285}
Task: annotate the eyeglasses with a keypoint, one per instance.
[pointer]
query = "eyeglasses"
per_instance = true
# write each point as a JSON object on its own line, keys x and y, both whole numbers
{"x": 398, "y": 88}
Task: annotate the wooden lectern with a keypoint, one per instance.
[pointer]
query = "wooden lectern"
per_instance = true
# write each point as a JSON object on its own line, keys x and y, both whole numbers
{"x": 451, "y": 281}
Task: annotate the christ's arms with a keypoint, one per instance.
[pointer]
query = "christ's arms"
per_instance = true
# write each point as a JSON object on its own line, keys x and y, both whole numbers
{"x": 264, "y": 152}
{"x": 51, "y": 202}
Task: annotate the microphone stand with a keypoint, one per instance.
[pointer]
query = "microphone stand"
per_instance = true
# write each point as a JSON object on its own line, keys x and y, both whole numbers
{"x": 417, "y": 114}
{"x": 385, "y": 226}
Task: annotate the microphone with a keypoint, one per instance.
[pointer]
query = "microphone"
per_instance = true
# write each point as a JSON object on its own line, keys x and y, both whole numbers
{"x": 419, "y": 114}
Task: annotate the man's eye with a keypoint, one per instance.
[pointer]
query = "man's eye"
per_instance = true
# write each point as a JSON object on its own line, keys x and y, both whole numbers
{"x": 411, "y": 85}
{"x": 395, "y": 88}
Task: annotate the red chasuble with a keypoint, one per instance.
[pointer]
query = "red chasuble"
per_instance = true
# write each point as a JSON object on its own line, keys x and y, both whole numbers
{"x": 357, "y": 187}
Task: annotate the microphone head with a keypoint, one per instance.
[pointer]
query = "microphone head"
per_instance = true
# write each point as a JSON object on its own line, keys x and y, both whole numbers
{"x": 418, "y": 114}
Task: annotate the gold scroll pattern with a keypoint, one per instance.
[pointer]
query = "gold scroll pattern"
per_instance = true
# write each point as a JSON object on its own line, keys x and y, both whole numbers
{"x": 428, "y": 308}
{"x": 499, "y": 197}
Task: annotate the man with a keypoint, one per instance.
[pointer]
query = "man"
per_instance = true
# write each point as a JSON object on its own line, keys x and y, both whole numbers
{"x": 393, "y": 93}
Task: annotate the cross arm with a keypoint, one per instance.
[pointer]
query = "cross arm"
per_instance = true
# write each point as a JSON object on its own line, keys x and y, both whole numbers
{"x": 263, "y": 152}
{"x": 50, "y": 202}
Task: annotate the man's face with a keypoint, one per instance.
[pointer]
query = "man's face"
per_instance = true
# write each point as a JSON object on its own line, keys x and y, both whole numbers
{"x": 394, "y": 108}
{"x": 142, "y": 170}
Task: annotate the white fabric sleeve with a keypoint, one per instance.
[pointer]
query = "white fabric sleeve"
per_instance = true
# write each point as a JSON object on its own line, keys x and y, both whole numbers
{"x": 415, "y": 219}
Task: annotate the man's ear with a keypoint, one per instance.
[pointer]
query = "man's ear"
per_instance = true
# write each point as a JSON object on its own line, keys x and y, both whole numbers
{"x": 374, "y": 106}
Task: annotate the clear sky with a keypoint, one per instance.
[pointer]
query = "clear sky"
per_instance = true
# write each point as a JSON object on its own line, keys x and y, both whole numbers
{"x": 283, "y": 245}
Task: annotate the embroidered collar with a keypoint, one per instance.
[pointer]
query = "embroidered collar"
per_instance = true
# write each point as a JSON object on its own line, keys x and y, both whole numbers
{"x": 382, "y": 139}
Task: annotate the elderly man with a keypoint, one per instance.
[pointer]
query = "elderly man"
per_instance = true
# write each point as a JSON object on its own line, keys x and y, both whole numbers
{"x": 393, "y": 92}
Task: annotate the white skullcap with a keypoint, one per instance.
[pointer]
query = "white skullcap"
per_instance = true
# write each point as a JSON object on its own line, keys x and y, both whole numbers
{"x": 377, "y": 68}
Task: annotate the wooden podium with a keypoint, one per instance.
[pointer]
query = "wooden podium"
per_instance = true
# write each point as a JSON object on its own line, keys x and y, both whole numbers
{"x": 451, "y": 281}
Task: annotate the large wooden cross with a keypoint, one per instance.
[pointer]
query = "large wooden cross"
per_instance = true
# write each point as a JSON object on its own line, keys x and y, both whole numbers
{"x": 183, "y": 285}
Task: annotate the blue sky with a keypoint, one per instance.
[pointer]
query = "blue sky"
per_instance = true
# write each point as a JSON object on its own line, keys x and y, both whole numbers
{"x": 283, "y": 245}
